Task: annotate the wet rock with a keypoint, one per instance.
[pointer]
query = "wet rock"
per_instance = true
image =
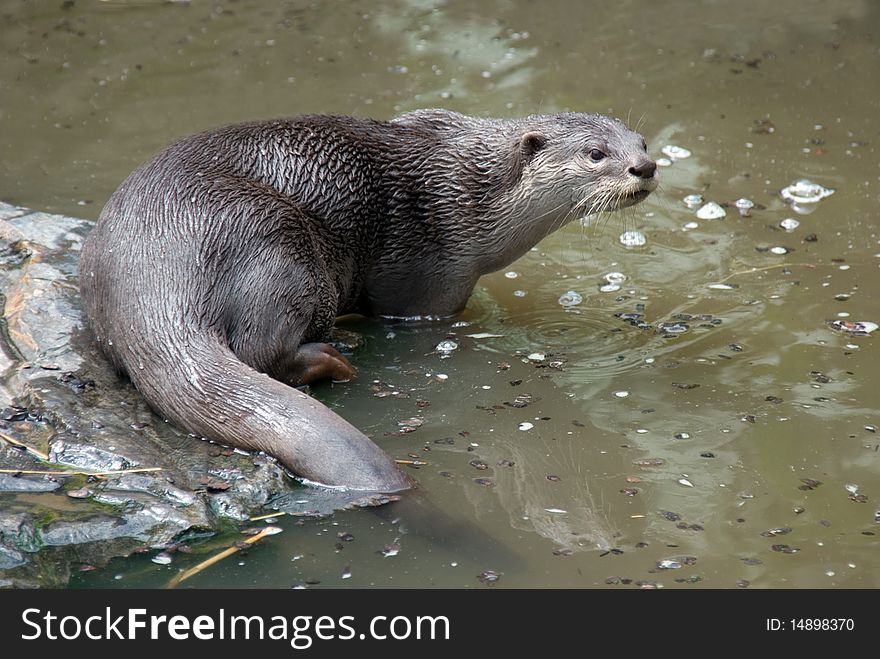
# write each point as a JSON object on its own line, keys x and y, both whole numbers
{"x": 10, "y": 558}
{"x": 61, "y": 399}
{"x": 23, "y": 483}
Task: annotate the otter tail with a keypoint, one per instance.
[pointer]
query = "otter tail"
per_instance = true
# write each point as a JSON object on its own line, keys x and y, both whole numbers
{"x": 199, "y": 384}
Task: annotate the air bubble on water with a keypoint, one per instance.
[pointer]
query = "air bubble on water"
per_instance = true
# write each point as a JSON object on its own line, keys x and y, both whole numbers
{"x": 570, "y": 299}
{"x": 525, "y": 425}
{"x": 690, "y": 226}
{"x": 722, "y": 287}
{"x": 520, "y": 293}
{"x": 789, "y": 224}
{"x": 614, "y": 277}
{"x": 744, "y": 205}
{"x": 711, "y": 211}
{"x": 621, "y": 394}
{"x": 460, "y": 323}
{"x": 685, "y": 482}
{"x": 668, "y": 564}
{"x": 537, "y": 357}
{"x": 852, "y": 488}
{"x": 511, "y": 274}
{"x": 804, "y": 191}
{"x": 632, "y": 239}
{"x": 663, "y": 162}
{"x": 675, "y": 152}
{"x": 609, "y": 288}
{"x": 779, "y": 250}
{"x": 693, "y": 201}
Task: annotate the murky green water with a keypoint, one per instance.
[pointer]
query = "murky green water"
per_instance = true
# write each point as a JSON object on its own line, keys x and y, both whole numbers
{"x": 758, "y": 395}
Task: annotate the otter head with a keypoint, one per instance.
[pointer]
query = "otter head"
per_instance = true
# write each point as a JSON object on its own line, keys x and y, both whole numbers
{"x": 588, "y": 162}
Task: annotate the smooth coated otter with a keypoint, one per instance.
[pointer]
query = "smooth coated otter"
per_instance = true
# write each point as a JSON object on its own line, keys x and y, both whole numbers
{"x": 218, "y": 267}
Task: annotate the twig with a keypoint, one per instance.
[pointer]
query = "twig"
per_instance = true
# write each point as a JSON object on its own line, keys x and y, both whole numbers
{"x": 186, "y": 574}
{"x": 414, "y": 463}
{"x": 767, "y": 267}
{"x": 262, "y": 517}
{"x": 80, "y": 473}
{"x": 27, "y": 448}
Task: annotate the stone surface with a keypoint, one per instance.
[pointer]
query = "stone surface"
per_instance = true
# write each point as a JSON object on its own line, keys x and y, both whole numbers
{"x": 63, "y": 401}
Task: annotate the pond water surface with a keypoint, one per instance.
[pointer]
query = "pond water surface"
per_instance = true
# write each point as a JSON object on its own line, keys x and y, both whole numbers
{"x": 736, "y": 448}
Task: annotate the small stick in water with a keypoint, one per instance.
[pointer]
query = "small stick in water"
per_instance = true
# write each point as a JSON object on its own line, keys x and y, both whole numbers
{"x": 216, "y": 558}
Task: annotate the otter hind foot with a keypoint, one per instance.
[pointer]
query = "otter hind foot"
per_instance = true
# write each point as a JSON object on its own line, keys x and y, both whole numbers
{"x": 319, "y": 361}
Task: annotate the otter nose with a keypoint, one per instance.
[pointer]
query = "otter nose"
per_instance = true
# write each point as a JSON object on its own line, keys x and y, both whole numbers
{"x": 644, "y": 168}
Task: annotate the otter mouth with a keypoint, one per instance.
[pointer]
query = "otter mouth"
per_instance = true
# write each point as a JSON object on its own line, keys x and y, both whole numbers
{"x": 637, "y": 196}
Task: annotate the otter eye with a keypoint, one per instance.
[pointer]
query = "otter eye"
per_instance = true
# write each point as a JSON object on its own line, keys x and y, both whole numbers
{"x": 596, "y": 155}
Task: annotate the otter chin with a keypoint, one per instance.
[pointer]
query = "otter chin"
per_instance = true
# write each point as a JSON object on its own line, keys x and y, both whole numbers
{"x": 216, "y": 270}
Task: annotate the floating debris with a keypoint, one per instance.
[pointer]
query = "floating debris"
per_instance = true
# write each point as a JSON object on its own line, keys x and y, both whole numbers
{"x": 621, "y": 394}
{"x": 489, "y": 577}
{"x": 633, "y": 239}
{"x": 711, "y": 211}
{"x": 851, "y": 488}
{"x": 685, "y": 482}
{"x": 675, "y": 152}
{"x": 771, "y": 533}
{"x": 682, "y": 435}
{"x": 390, "y": 550}
{"x": 537, "y": 357}
{"x": 484, "y": 335}
{"x": 649, "y": 462}
{"x": 785, "y": 549}
{"x": 446, "y": 347}
{"x": 857, "y": 328}
{"x": 693, "y": 201}
{"x": 689, "y": 226}
{"x": 525, "y": 425}
{"x": 789, "y": 224}
{"x": 804, "y": 191}
{"x": 672, "y": 329}
{"x": 522, "y": 400}
{"x": 723, "y": 287}
{"x": 556, "y": 511}
{"x": 668, "y": 564}
{"x": 410, "y": 425}
{"x": 570, "y": 299}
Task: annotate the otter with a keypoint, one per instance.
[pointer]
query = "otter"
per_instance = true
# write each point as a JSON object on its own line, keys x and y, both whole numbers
{"x": 216, "y": 270}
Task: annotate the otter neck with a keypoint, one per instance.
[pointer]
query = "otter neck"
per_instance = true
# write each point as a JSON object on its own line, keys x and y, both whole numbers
{"x": 467, "y": 211}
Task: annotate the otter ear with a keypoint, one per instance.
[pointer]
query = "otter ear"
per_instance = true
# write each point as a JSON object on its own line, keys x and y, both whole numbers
{"x": 531, "y": 142}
